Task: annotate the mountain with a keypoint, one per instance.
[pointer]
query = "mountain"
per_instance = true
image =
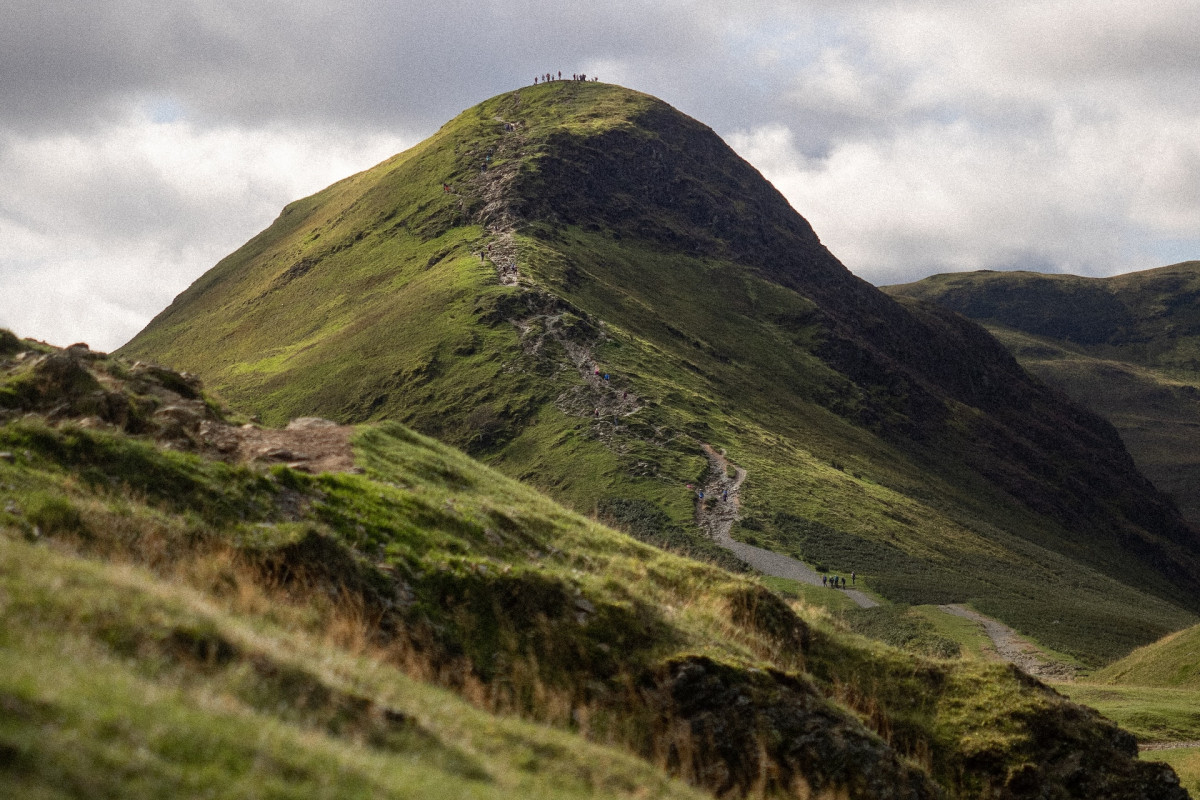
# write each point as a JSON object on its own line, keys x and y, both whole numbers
{"x": 583, "y": 287}
{"x": 194, "y": 605}
{"x": 1127, "y": 347}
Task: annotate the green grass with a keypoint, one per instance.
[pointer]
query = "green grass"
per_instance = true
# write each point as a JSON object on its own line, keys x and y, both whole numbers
{"x": 1152, "y": 713}
{"x": 1171, "y": 662}
{"x": 162, "y": 643}
{"x": 969, "y": 635}
{"x": 835, "y": 603}
{"x": 113, "y": 704}
{"x": 368, "y": 302}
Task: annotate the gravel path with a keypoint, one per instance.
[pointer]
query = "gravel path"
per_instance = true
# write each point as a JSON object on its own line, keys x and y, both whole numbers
{"x": 717, "y": 520}
{"x": 1014, "y": 649}
{"x": 1166, "y": 746}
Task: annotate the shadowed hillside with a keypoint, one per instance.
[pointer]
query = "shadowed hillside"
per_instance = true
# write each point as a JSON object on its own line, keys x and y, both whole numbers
{"x": 1127, "y": 347}
{"x": 582, "y": 286}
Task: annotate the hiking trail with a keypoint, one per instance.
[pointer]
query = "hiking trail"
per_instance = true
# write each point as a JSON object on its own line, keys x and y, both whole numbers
{"x": 1152, "y": 746}
{"x": 308, "y": 444}
{"x": 717, "y": 516}
{"x": 492, "y": 173}
{"x": 1010, "y": 646}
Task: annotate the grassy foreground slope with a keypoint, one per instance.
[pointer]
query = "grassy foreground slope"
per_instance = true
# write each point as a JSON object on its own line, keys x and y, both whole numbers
{"x": 1127, "y": 347}
{"x": 896, "y": 441}
{"x": 176, "y": 624}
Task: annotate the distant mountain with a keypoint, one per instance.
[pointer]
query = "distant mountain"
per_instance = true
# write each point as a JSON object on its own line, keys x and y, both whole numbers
{"x": 581, "y": 286}
{"x": 1127, "y": 347}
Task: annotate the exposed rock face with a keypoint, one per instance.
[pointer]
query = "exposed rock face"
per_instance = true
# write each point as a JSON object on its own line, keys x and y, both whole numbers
{"x": 94, "y": 391}
{"x": 738, "y": 733}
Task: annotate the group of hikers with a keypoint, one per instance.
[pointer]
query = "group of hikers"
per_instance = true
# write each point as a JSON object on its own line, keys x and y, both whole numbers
{"x": 551, "y": 76}
{"x": 837, "y": 581}
{"x": 604, "y": 376}
{"x": 700, "y": 494}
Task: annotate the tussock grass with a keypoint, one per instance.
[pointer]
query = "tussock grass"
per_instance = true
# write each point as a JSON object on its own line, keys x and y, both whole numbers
{"x": 299, "y": 650}
{"x": 149, "y": 689}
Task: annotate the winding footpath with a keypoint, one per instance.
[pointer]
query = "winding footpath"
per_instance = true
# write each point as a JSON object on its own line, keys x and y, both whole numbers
{"x": 717, "y": 519}
{"x": 1011, "y": 647}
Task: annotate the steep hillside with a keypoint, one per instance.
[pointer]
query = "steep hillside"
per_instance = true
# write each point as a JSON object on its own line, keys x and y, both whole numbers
{"x": 1127, "y": 347}
{"x": 1173, "y": 661}
{"x": 177, "y": 620}
{"x": 582, "y": 286}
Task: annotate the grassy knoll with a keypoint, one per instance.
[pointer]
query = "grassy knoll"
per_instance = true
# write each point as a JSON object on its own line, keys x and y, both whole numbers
{"x": 176, "y": 624}
{"x": 118, "y": 684}
{"x": 1173, "y": 661}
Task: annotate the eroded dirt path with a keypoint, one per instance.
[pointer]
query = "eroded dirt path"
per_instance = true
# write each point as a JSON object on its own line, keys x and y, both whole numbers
{"x": 1010, "y": 646}
{"x": 717, "y": 513}
{"x": 309, "y": 444}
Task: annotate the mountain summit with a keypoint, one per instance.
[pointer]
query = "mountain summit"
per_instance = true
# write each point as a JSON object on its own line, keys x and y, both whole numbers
{"x": 584, "y": 287}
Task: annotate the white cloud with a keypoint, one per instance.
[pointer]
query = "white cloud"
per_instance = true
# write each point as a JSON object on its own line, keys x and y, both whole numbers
{"x": 917, "y": 135}
{"x": 938, "y": 197}
{"x": 101, "y": 230}
{"x": 945, "y": 136}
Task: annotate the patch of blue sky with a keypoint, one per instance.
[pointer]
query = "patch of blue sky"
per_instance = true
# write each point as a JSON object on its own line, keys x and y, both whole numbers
{"x": 163, "y": 110}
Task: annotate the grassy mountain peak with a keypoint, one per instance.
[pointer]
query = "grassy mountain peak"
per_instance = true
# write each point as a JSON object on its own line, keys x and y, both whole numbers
{"x": 582, "y": 286}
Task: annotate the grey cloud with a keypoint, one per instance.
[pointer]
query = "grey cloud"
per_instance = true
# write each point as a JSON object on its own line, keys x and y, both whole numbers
{"x": 1057, "y": 97}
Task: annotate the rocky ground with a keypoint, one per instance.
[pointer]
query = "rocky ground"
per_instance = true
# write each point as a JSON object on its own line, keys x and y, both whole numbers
{"x": 93, "y": 390}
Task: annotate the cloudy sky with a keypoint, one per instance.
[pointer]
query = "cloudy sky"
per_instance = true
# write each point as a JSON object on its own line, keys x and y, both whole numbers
{"x": 143, "y": 140}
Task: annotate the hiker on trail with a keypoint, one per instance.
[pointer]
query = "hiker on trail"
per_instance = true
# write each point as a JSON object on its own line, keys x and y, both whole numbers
{"x": 853, "y": 578}
{"x": 535, "y": 80}
{"x": 700, "y": 494}
{"x": 445, "y": 187}
{"x": 725, "y": 496}
{"x": 560, "y": 74}
{"x": 825, "y": 580}
{"x": 606, "y": 376}
{"x": 596, "y": 372}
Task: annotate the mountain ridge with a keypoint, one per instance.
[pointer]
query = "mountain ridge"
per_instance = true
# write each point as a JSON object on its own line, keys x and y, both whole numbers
{"x": 1128, "y": 350}
{"x": 472, "y": 284}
